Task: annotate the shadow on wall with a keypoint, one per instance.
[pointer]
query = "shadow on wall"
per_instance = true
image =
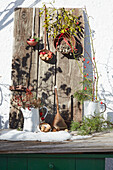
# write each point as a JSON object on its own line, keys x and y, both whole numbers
{"x": 107, "y": 97}
{"x": 1, "y": 96}
{"x": 107, "y": 93}
{"x": 10, "y": 9}
{"x": 34, "y": 3}
{"x": 0, "y": 122}
{"x": 3, "y": 124}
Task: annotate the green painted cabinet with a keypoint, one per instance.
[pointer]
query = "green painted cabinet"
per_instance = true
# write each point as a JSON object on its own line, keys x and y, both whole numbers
{"x": 53, "y": 161}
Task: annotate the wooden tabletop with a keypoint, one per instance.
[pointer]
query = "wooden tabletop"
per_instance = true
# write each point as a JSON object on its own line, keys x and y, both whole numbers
{"x": 101, "y": 142}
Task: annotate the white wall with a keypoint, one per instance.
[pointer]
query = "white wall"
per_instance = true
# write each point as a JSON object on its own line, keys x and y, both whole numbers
{"x": 101, "y": 21}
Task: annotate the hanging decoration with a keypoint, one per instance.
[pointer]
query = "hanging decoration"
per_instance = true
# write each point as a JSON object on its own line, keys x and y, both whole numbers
{"x": 45, "y": 54}
{"x": 33, "y": 40}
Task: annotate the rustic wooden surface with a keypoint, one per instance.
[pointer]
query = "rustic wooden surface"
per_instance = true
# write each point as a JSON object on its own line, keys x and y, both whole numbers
{"x": 29, "y": 69}
{"x": 62, "y": 71}
{"x": 25, "y": 58}
{"x": 100, "y": 143}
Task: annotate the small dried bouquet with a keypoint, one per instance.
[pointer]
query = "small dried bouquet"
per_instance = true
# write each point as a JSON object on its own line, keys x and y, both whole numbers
{"x": 26, "y": 100}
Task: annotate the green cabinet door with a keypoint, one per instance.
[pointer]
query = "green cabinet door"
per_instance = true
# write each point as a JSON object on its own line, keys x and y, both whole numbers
{"x": 3, "y": 163}
{"x": 17, "y": 163}
{"x": 51, "y": 163}
{"x": 90, "y": 164}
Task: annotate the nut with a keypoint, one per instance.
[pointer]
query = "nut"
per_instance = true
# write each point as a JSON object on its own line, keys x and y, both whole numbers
{"x": 45, "y": 55}
{"x": 42, "y": 128}
{"x": 43, "y": 58}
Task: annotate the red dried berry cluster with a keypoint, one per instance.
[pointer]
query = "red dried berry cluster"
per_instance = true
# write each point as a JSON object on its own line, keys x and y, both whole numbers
{"x": 25, "y": 101}
{"x": 41, "y": 115}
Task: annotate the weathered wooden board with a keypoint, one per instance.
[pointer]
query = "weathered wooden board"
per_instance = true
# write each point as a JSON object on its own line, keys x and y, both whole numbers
{"x": 25, "y": 58}
{"x": 63, "y": 72}
{"x": 100, "y": 143}
{"x": 29, "y": 69}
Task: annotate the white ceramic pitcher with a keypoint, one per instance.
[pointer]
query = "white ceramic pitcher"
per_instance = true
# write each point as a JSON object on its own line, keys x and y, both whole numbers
{"x": 91, "y": 108}
{"x": 31, "y": 119}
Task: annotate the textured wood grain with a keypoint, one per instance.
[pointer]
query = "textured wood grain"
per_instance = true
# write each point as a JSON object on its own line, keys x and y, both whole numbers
{"x": 29, "y": 69}
{"x": 46, "y": 78}
{"x": 68, "y": 80}
{"x": 25, "y": 58}
{"x": 100, "y": 143}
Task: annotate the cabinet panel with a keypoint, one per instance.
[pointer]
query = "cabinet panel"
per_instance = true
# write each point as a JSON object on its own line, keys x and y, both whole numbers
{"x": 17, "y": 163}
{"x": 51, "y": 164}
{"x": 90, "y": 164}
{"x": 3, "y": 163}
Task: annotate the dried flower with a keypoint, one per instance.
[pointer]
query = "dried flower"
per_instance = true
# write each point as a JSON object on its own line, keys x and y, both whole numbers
{"x": 26, "y": 100}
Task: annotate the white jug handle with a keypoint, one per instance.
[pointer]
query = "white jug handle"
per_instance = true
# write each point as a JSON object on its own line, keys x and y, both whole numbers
{"x": 104, "y": 107}
{"x": 46, "y": 110}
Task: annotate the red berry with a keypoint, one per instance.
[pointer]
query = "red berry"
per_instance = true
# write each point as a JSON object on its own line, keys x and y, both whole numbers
{"x": 87, "y": 62}
{"x": 41, "y": 114}
{"x": 43, "y": 53}
{"x": 29, "y": 108}
{"x": 83, "y": 59}
{"x": 84, "y": 66}
{"x": 75, "y": 49}
{"x": 93, "y": 58}
{"x": 95, "y": 77}
{"x": 42, "y": 118}
{"x": 85, "y": 88}
{"x": 101, "y": 102}
{"x": 84, "y": 75}
{"x": 87, "y": 74}
{"x": 77, "y": 22}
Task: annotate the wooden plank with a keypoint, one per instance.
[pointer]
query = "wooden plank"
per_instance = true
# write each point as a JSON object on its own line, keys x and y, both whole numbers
{"x": 68, "y": 81}
{"x": 46, "y": 78}
{"x": 35, "y": 59}
{"x": 29, "y": 69}
{"x": 65, "y": 74}
{"x": 25, "y": 58}
{"x": 100, "y": 143}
